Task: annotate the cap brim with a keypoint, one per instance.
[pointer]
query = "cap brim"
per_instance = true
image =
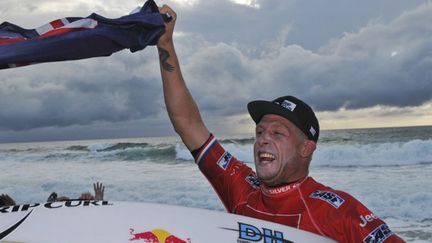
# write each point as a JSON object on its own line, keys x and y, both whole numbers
{"x": 257, "y": 109}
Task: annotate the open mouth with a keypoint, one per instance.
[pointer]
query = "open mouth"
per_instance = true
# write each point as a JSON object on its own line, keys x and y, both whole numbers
{"x": 266, "y": 157}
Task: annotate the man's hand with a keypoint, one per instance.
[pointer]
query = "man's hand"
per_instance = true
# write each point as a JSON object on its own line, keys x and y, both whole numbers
{"x": 169, "y": 26}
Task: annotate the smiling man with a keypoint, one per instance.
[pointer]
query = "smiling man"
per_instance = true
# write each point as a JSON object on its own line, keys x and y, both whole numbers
{"x": 280, "y": 191}
{"x": 286, "y": 135}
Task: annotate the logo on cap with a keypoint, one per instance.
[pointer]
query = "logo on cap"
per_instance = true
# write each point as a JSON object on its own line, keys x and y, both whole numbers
{"x": 288, "y": 105}
{"x": 312, "y": 131}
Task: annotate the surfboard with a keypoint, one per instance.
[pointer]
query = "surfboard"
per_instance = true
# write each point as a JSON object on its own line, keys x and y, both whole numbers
{"x": 117, "y": 222}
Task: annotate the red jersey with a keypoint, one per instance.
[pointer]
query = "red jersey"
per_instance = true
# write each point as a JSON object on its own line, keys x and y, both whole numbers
{"x": 306, "y": 204}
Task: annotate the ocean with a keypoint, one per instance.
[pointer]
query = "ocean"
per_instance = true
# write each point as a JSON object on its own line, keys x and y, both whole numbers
{"x": 387, "y": 169}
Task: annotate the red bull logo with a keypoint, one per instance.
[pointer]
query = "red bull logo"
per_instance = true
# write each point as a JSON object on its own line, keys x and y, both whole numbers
{"x": 156, "y": 236}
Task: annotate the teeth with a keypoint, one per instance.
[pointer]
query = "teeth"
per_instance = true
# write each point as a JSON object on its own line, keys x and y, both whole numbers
{"x": 266, "y": 155}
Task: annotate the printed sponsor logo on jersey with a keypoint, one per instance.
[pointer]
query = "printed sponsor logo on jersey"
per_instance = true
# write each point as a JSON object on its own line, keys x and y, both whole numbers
{"x": 237, "y": 167}
{"x": 249, "y": 233}
{"x": 329, "y": 197}
{"x": 225, "y": 160}
{"x": 378, "y": 235}
{"x": 253, "y": 181}
{"x": 279, "y": 190}
{"x": 366, "y": 219}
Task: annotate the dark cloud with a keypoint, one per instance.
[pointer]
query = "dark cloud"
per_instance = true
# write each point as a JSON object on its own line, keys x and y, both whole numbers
{"x": 381, "y": 64}
{"x": 311, "y": 23}
{"x": 72, "y": 95}
{"x": 77, "y": 103}
{"x": 332, "y": 54}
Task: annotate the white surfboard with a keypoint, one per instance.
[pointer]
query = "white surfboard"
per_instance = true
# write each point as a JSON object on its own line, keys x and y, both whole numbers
{"x": 121, "y": 222}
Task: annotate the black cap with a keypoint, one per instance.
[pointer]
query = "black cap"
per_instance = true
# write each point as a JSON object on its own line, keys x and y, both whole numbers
{"x": 291, "y": 108}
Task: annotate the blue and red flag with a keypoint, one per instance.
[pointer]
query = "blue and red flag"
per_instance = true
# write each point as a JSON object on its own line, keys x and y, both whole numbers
{"x": 75, "y": 38}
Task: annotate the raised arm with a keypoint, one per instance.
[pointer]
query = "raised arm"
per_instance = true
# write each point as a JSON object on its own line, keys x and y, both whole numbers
{"x": 182, "y": 109}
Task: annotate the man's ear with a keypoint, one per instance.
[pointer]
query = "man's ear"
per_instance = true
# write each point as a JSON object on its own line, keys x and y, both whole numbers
{"x": 309, "y": 147}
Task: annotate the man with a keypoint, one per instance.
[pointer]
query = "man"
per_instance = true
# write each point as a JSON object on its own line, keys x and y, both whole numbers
{"x": 281, "y": 191}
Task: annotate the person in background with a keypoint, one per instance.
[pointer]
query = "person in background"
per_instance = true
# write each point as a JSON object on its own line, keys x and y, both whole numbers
{"x": 6, "y": 200}
{"x": 99, "y": 190}
{"x": 281, "y": 190}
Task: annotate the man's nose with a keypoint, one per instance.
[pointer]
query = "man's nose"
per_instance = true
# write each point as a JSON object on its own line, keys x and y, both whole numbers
{"x": 263, "y": 138}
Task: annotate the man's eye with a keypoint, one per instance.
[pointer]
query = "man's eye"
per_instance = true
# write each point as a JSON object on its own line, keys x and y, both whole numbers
{"x": 278, "y": 133}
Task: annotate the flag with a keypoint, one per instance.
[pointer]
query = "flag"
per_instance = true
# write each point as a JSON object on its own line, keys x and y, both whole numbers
{"x": 74, "y": 38}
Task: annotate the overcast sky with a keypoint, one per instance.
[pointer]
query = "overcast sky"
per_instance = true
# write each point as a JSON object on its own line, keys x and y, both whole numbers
{"x": 357, "y": 63}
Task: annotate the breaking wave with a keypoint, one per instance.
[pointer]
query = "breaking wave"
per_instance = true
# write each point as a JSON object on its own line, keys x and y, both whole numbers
{"x": 333, "y": 152}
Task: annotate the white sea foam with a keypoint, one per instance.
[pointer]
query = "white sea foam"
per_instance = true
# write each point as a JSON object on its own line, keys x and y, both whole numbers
{"x": 380, "y": 154}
